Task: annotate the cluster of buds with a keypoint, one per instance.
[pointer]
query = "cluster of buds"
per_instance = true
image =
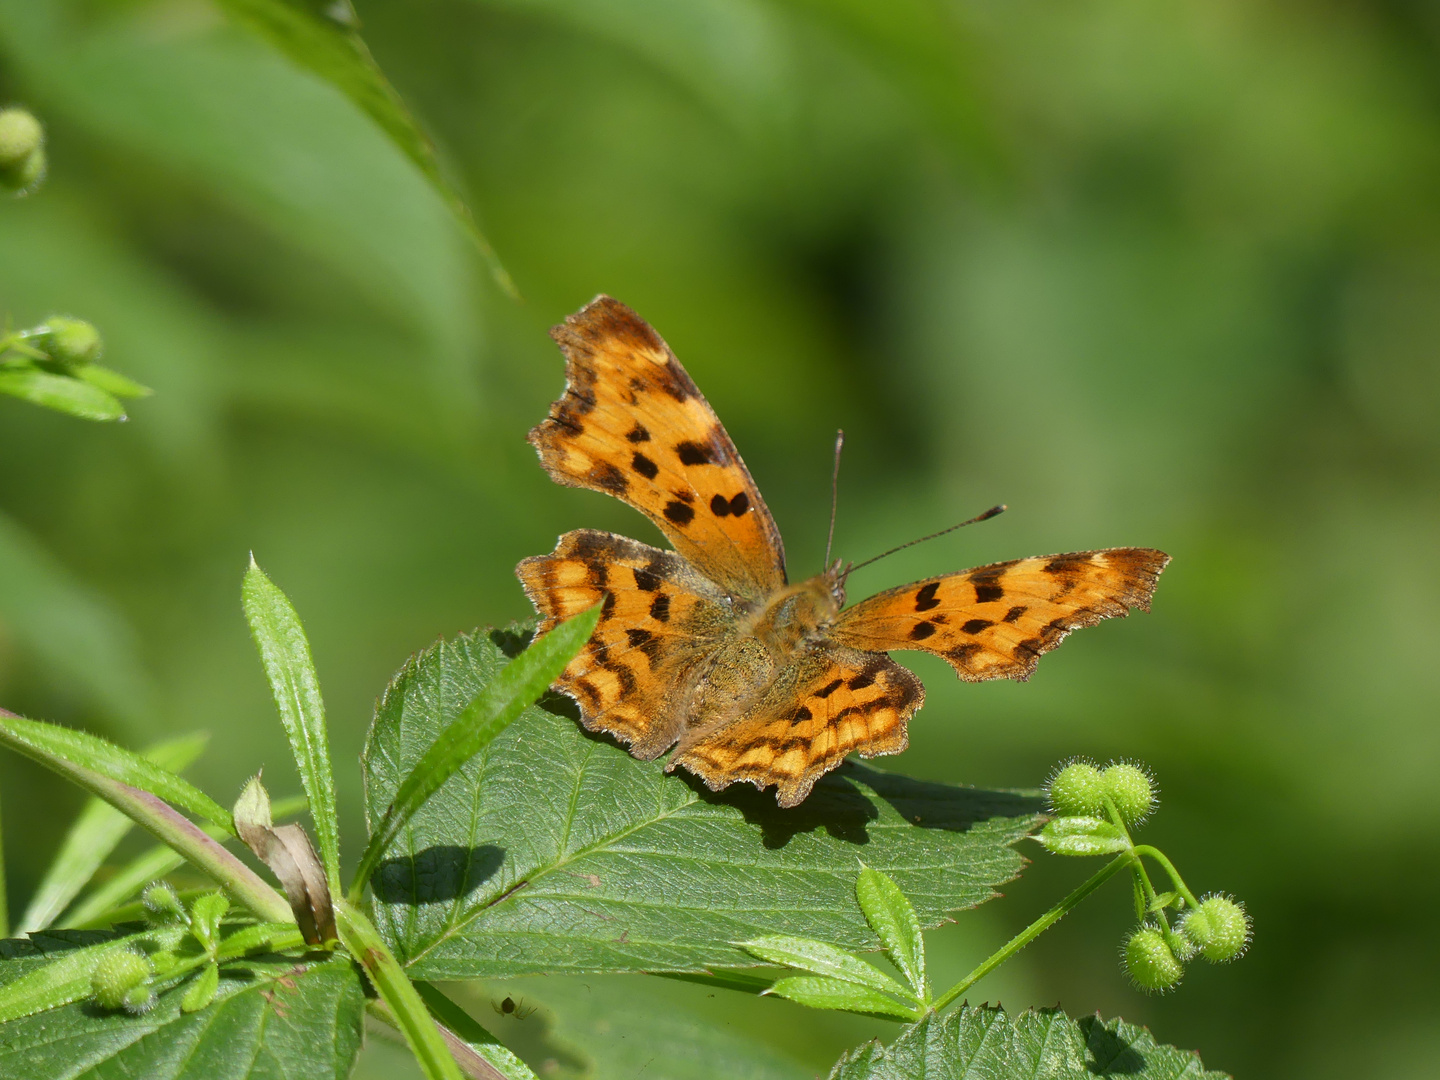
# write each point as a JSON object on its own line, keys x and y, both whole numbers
{"x": 22, "y": 151}
{"x": 1095, "y": 809}
{"x": 181, "y": 940}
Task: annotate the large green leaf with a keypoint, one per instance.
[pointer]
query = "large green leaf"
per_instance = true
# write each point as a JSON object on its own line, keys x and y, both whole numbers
{"x": 556, "y": 851}
{"x": 270, "y": 1018}
{"x": 630, "y": 1026}
{"x": 986, "y": 1042}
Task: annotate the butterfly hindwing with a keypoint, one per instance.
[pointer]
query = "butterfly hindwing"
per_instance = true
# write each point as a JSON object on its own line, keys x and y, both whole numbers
{"x": 632, "y": 424}
{"x": 660, "y": 624}
{"x": 827, "y": 703}
{"x": 994, "y": 622}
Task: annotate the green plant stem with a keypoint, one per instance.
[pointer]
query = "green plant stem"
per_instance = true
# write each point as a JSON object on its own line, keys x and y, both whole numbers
{"x": 1036, "y": 928}
{"x": 426, "y": 1042}
{"x": 1169, "y": 868}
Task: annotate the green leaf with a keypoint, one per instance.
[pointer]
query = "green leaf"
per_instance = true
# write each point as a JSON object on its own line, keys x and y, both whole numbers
{"x": 818, "y": 993}
{"x": 62, "y": 393}
{"x": 986, "y": 1042}
{"x": 395, "y": 989}
{"x": 149, "y": 866}
{"x": 95, "y": 834}
{"x": 631, "y": 1026}
{"x": 323, "y": 36}
{"x": 112, "y": 382}
{"x": 202, "y": 990}
{"x": 1082, "y": 836}
{"x": 280, "y": 1017}
{"x": 819, "y": 958}
{"x": 285, "y": 652}
{"x": 554, "y": 850}
{"x": 205, "y": 915}
{"x": 73, "y": 753}
{"x": 893, "y": 920}
{"x": 48, "y": 983}
{"x": 492, "y": 710}
{"x": 473, "y": 1037}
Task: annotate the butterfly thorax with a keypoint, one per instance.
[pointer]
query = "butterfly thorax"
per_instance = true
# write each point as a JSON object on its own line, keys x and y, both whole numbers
{"x": 798, "y": 613}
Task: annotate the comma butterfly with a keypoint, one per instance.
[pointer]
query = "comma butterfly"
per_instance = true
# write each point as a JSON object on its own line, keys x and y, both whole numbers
{"x": 708, "y": 648}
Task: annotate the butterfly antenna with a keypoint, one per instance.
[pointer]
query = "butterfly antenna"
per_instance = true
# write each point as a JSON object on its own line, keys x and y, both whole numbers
{"x": 994, "y": 511}
{"x": 834, "y": 494}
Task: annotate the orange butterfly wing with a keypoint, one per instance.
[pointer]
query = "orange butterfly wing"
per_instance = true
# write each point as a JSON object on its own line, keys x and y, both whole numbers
{"x": 633, "y": 425}
{"x": 825, "y": 704}
{"x": 995, "y": 622}
{"x": 659, "y": 629}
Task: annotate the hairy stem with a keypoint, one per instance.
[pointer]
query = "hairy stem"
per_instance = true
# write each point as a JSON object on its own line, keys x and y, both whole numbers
{"x": 1169, "y": 868}
{"x": 1036, "y": 928}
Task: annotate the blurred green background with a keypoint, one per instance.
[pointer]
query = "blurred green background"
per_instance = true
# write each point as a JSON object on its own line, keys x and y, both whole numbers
{"x": 1154, "y": 274}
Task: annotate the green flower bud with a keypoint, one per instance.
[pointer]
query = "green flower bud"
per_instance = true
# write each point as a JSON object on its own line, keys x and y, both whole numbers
{"x": 1149, "y": 961}
{"x": 1076, "y": 790}
{"x": 117, "y": 975}
{"x": 1130, "y": 789}
{"x": 22, "y": 151}
{"x": 1219, "y": 927}
{"x": 70, "y": 342}
{"x": 139, "y": 1000}
{"x": 163, "y": 903}
{"x": 20, "y": 136}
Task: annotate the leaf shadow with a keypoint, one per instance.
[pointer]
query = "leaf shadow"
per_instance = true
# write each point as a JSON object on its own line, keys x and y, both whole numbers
{"x": 1108, "y": 1053}
{"x": 436, "y": 874}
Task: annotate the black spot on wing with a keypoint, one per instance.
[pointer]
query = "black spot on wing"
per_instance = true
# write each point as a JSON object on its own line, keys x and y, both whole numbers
{"x": 693, "y": 453}
{"x": 720, "y": 506}
{"x": 739, "y": 504}
{"x": 660, "y": 608}
{"x": 987, "y": 589}
{"x": 829, "y": 688}
{"x": 866, "y": 676}
{"x": 1065, "y": 564}
{"x": 800, "y": 715}
{"x": 638, "y": 434}
{"x": 921, "y": 630}
{"x": 645, "y": 580}
{"x": 610, "y": 478}
{"x": 1015, "y": 613}
{"x": 678, "y": 513}
{"x": 644, "y": 466}
{"x": 961, "y": 654}
{"x": 974, "y": 626}
{"x": 925, "y": 597}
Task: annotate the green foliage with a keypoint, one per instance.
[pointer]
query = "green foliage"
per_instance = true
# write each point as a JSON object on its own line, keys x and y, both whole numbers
{"x": 285, "y": 654}
{"x": 501, "y": 701}
{"x": 95, "y": 834}
{"x": 323, "y": 35}
{"x": 556, "y": 851}
{"x": 286, "y": 1018}
{"x": 1045, "y": 1043}
{"x": 96, "y": 763}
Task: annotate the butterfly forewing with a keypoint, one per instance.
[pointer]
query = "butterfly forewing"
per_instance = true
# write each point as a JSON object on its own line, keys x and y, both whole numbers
{"x": 995, "y": 622}
{"x": 632, "y": 424}
{"x": 660, "y": 623}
